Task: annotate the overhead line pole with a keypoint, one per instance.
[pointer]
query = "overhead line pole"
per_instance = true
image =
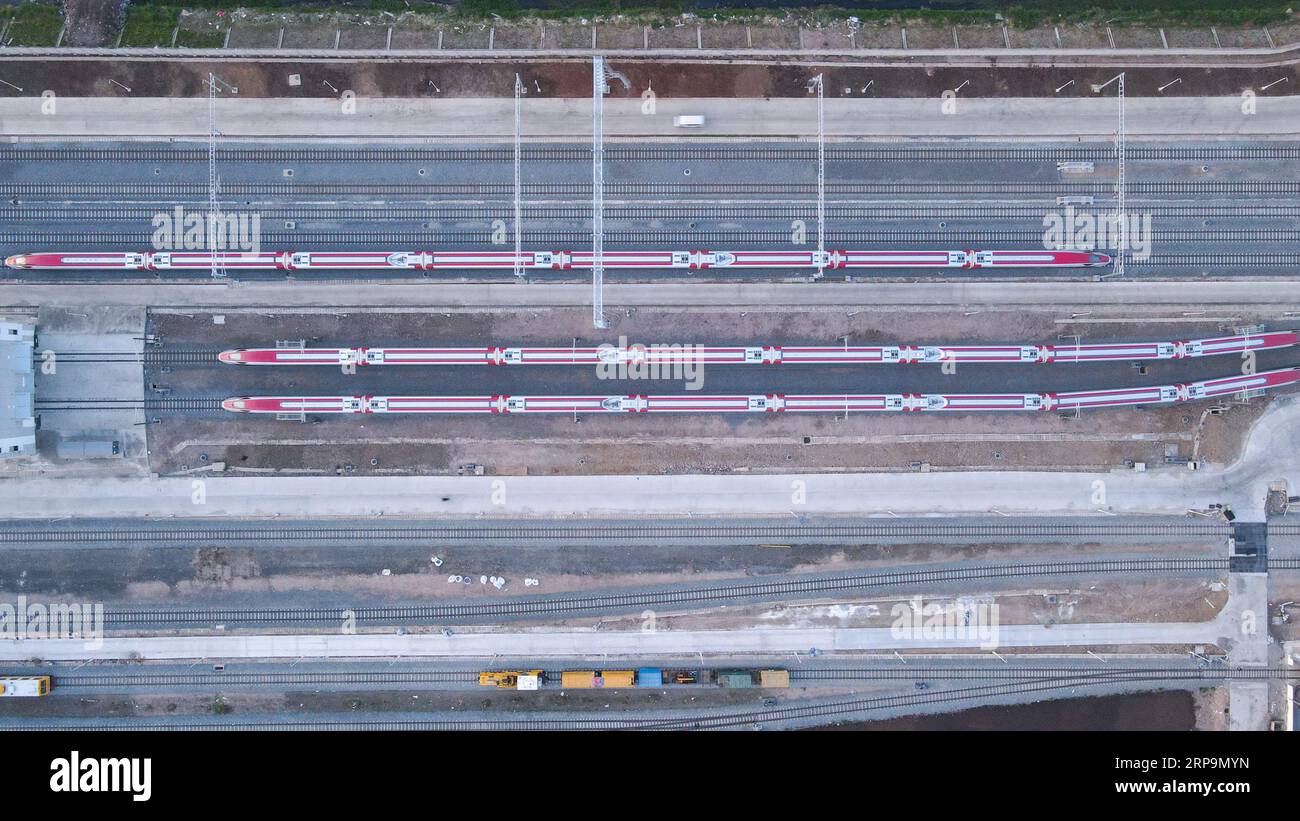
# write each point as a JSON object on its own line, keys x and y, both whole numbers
{"x": 519, "y": 261}
{"x": 216, "y": 261}
{"x": 598, "y": 192}
{"x": 821, "y": 176}
{"x": 1121, "y": 188}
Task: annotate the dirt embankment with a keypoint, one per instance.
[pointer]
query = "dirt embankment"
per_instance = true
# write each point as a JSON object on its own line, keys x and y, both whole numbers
{"x": 571, "y": 78}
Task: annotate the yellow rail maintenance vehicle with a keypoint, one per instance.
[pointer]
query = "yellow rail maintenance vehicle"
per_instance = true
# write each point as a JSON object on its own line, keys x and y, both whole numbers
{"x": 597, "y": 679}
{"x": 511, "y": 679}
{"x": 24, "y": 686}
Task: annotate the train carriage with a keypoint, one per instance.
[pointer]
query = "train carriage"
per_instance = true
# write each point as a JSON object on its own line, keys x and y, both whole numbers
{"x": 691, "y": 259}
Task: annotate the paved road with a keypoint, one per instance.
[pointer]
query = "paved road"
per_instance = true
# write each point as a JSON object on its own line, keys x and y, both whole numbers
{"x": 493, "y": 119}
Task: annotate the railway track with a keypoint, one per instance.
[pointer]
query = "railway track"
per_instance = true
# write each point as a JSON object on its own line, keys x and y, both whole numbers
{"x": 1219, "y": 262}
{"x": 205, "y": 532}
{"x": 643, "y": 237}
{"x": 171, "y": 405}
{"x": 614, "y": 152}
{"x": 819, "y": 712}
{"x": 453, "y": 213}
{"x": 197, "y": 192}
{"x": 149, "y": 357}
{"x": 676, "y": 597}
{"x": 799, "y": 675}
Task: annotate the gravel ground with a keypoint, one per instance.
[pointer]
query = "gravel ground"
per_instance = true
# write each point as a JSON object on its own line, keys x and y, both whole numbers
{"x": 1177, "y": 710}
{"x": 283, "y": 576}
{"x": 92, "y": 23}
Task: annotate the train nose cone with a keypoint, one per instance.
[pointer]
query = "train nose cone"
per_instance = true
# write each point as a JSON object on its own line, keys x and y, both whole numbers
{"x": 231, "y": 357}
{"x": 16, "y": 261}
{"x": 233, "y": 405}
{"x": 1098, "y": 259}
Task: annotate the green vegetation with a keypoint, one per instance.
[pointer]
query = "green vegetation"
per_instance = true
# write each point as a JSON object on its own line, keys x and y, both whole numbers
{"x": 35, "y": 24}
{"x": 150, "y": 22}
{"x": 213, "y": 38}
{"x": 149, "y": 25}
{"x": 1154, "y": 12}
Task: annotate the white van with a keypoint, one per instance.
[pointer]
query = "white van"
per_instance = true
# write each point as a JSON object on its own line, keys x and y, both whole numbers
{"x": 688, "y": 121}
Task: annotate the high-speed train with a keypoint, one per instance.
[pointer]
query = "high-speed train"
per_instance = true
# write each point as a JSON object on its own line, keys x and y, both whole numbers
{"x": 763, "y": 354}
{"x": 548, "y": 260}
{"x": 767, "y": 403}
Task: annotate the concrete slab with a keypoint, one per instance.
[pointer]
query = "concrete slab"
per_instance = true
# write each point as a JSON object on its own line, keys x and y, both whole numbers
{"x": 1285, "y": 34}
{"x": 411, "y": 36}
{"x": 1137, "y": 37}
{"x": 517, "y": 36}
{"x": 467, "y": 36}
{"x": 786, "y": 38}
{"x": 1248, "y": 705}
{"x": 310, "y": 35}
{"x": 1252, "y": 37}
{"x": 723, "y": 35}
{"x": 980, "y": 37}
{"x": 678, "y": 35}
{"x": 835, "y": 36}
{"x": 1245, "y": 617}
{"x": 254, "y": 35}
{"x": 620, "y": 36}
{"x": 1038, "y": 37}
{"x": 877, "y": 37}
{"x": 362, "y": 35}
{"x": 104, "y": 329}
{"x": 1083, "y": 36}
{"x": 1190, "y": 38}
{"x": 565, "y": 36}
{"x": 924, "y": 36}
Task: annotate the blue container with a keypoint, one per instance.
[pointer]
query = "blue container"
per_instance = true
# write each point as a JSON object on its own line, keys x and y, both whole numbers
{"x": 649, "y": 677}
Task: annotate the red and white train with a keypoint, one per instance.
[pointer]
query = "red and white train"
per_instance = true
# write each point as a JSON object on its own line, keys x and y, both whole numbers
{"x": 548, "y": 260}
{"x": 763, "y": 354}
{"x": 767, "y": 403}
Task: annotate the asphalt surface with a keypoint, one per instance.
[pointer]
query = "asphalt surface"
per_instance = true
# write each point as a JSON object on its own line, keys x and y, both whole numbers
{"x": 1216, "y": 210}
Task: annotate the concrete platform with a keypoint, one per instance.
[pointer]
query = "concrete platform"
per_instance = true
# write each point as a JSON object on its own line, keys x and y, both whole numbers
{"x": 791, "y": 642}
{"x": 1135, "y": 298}
{"x": 493, "y": 119}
